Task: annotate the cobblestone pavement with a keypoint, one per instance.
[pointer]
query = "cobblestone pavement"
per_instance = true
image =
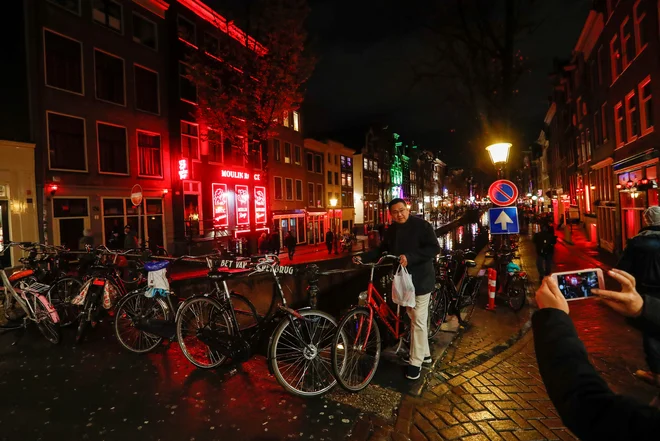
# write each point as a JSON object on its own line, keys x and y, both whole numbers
{"x": 487, "y": 386}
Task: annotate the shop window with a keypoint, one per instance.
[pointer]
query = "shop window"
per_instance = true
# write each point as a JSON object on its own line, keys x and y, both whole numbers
{"x": 149, "y": 154}
{"x": 641, "y": 31}
{"x": 70, "y": 207}
{"x": 615, "y": 56}
{"x": 619, "y": 125}
{"x": 112, "y": 148}
{"x": 287, "y": 153}
{"x": 299, "y": 190}
{"x": 319, "y": 195}
{"x": 187, "y": 89}
{"x": 109, "y": 76}
{"x": 627, "y": 42}
{"x": 318, "y": 159}
{"x": 145, "y": 31}
{"x": 146, "y": 90}
{"x": 646, "y": 105}
{"x": 69, "y": 5}
{"x": 66, "y": 142}
{"x": 189, "y": 140}
{"x": 296, "y": 121}
{"x": 298, "y": 154}
{"x": 277, "y": 152}
{"x": 63, "y": 62}
{"x": 310, "y": 195}
{"x": 278, "y": 188}
{"x": 632, "y": 116}
{"x": 108, "y": 13}
{"x": 186, "y": 30}
{"x": 310, "y": 161}
{"x": 71, "y": 217}
{"x": 288, "y": 182}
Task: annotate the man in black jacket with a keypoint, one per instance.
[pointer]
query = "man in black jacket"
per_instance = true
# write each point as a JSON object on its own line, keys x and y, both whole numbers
{"x": 583, "y": 400}
{"x": 641, "y": 258}
{"x": 415, "y": 242}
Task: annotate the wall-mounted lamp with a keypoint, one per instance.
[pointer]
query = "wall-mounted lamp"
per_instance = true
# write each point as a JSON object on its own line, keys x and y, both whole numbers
{"x": 619, "y": 186}
{"x": 53, "y": 189}
{"x": 165, "y": 192}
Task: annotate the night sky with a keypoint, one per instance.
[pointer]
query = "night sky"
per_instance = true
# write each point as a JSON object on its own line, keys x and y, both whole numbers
{"x": 367, "y": 50}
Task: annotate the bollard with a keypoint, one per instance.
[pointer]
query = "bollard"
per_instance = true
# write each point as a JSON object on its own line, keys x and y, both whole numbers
{"x": 492, "y": 283}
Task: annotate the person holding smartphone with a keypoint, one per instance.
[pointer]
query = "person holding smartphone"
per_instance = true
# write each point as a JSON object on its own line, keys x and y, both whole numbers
{"x": 641, "y": 258}
{"x": 584, "y": 401}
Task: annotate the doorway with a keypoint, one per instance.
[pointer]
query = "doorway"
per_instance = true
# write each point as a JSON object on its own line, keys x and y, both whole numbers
{"x": 70, "y": 218}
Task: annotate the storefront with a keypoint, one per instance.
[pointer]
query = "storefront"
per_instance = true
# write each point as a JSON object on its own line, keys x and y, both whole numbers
{"x": 291, "y": 220}
{"x": 317, "y": 225}
{"x": 18, "y": 204}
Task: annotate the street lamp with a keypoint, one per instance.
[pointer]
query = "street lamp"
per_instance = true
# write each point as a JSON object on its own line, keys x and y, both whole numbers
{"x": 333, "y": 204}
{"x": 499, "y": 154}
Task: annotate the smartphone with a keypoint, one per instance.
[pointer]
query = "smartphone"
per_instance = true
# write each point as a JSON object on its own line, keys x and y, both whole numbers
{"x": 576, "y": 285}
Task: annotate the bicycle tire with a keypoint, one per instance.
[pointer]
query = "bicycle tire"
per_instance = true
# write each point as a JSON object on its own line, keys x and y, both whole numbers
{"x": 127, "y": 313}
{"x": 61, "y": 299}
{"x": 315, "y": 354}
{"x": 45, "y": 323}
{"x": 517, "y": 296}
{"x": 204, "y": 357}
{"x": 353, "y": 323}
{"x": 438, "y": 305}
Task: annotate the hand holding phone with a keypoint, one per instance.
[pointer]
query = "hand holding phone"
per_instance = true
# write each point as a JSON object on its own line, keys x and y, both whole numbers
{"x": 577, "y": 285}
{"x": 627, "y": 302}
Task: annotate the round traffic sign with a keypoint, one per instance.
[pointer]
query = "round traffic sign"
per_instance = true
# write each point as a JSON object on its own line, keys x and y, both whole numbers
{"x": 136, "y": 195}
{"x": 503, "y": 193}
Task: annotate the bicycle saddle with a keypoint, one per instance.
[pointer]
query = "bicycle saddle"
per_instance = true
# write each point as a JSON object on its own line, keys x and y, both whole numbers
{"x": 470, "y": 263}
{"x": 156, "y": 266}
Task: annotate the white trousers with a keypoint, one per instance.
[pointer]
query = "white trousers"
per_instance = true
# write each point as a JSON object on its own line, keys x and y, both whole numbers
{"x": 419, "y": 332}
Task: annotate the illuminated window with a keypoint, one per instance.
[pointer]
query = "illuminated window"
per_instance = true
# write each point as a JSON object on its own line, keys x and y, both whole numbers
{"x": 366, "y": 164}
{"x": 632, "y": 116}
{"x": 646, "y": 105}
{"x": 278, "y": 188}
{"x": 149, "y": 157}
{"x": 319, "y": 195}
{"x": 615, "y": 55}
{"x": 108, "y": 14}
{"x": 285, "y": 120}
{"x": 187, "y": 89}
{"x": 112, "y": 148}
{"x": 109, "y": 75}
{"x": 145, "y": 31}
{"x": 619, "y": 125}
{"x": 298, "y": 154}
{"x": 186, "y": 30}
{"x": 277, "y": 152}
{"x": 296, "y": 121}
{"x": 69, "y": 5}
{"x": 66, "y": 142}
{"x": 189, "y": 140}
{"x": 63, "y": 62}
{"x": 627, "y": 42}
{"x": 641, "y": 33}
{"x": 343, "y": 179}
{"x": 287, "y": 153}
{"x": 299, "y": 190}
{"x": 289, "y": 188}
{"x": 146, "y": 90}
{"x": 349, "y": 179}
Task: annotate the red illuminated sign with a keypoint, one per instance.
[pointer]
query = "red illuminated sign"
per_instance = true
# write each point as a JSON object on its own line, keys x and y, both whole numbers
{"x": 242, "y": 205}
{"x": 260, "y": 204}
{"x": 220, "y": 215}
{"x": 183, "y": 169}
{"x": 233, "y": 174}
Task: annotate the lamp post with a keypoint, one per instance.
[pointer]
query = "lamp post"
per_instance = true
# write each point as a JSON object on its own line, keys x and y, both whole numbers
{"x": 499, "y": 154}
{"x": 333, "y": 204}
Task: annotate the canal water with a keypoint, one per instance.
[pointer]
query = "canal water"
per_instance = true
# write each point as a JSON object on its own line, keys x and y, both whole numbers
{"x": 468, "y": 236}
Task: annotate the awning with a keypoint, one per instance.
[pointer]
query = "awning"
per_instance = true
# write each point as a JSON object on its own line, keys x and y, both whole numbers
{"x": 634, "y": 160}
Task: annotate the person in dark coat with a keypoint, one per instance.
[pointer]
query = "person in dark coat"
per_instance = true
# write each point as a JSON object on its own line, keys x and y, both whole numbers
{"x": 329, "y": 238}
{"x": 585, "y": 403}
{"x": 263, "y": 244}
{"x": 275, "y": 242}
{"x": 544, "y": 241}
{"x": 414, "y": 241}
{"x": 130, "y": 238}
{"x": 290, "y": 244}
{"x": 641, "y": 258}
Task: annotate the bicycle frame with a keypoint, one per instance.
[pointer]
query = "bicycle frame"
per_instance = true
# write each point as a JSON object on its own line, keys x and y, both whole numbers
{"x": 21, "y": 296}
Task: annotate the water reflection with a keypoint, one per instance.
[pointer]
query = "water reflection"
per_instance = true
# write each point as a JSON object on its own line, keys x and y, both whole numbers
{"x": 463, "y": 237}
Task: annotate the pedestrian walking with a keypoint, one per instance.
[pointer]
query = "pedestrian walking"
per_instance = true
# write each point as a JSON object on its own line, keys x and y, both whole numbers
{"x": 275, "y": 242}
{"x": 130, "y": 238}
{"x": 641, "y": 258}
{"x": 544, "y": 241}
{"x": 329, "y": 238}
{"x": 263, "y": 243}
{"x": 584, "y": 402}
{"x": 414, "y": 241}
{"x": 290, "y": 243}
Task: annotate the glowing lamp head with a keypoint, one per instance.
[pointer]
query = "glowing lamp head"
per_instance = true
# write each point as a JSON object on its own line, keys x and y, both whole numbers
{"x": 499, "y": 153}
{"x": 645, "y": 181}
{"x": 630, "y": 183}
{"x": 333, "y": 202}
{"x": 619, "y": 186}
{"x": 53, "y": 189}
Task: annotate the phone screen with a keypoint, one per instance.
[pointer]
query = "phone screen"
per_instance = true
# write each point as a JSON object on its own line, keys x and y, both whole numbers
{"x": 577, "y": 285}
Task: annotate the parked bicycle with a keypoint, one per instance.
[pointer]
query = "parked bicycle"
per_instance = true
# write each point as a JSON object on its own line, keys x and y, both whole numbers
{"x": 30, "y": 297}
{"x": 209, "y": 333}
{"x": 512, "y": 280}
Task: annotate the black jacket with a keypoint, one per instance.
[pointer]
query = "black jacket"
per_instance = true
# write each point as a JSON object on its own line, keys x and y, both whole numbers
{"x": 641, "y": 258}
{"x": 417, "y": 240}
{"x": 290, "y": 242}
{"x": 544, "y": 242}
{"x": 584, "y": 401}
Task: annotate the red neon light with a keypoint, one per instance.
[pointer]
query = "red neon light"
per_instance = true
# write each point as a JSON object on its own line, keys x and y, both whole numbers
{"x": 242, "y": 205}
{"x": 220, "y": 215}
{"x": 53, "y": 187}
{"x": 260, "y": 204}
{"x": 183, "y": 169}
{"x": 257, "y": 176}
{"x": 233, "y": 174}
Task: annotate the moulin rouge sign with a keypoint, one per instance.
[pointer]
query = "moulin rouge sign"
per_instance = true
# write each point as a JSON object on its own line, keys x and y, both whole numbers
{"x": 242, "y": 205}
{"x": 220, "y": 216}
{"x": 233, "y": 174}
{"x": 260, "y": 204}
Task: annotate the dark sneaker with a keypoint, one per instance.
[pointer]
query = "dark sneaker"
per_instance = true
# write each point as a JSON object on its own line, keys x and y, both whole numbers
{"x": 413, "y": 372}
{"x": 427, "y": 360}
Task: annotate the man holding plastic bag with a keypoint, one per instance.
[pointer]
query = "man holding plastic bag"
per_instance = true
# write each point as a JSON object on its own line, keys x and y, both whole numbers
{"x": 414, "y": 241}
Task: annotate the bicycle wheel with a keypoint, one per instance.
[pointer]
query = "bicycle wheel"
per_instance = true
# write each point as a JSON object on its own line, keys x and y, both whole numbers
{"x": 356, "y": 350}
{"x": 60, "y": 295}
{"x": 516, "y": 296}
{"x": 132, "y": 309}
{"x": 132, "y": 272}
{"x": 300, "y": 353}
{"x": 197, "y": 316}
{"x": 45, "y": 323}
{"x": 437, "y": 312}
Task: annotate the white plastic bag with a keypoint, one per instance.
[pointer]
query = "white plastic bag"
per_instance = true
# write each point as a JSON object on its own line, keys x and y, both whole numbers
{"x": 403, "y": 290}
